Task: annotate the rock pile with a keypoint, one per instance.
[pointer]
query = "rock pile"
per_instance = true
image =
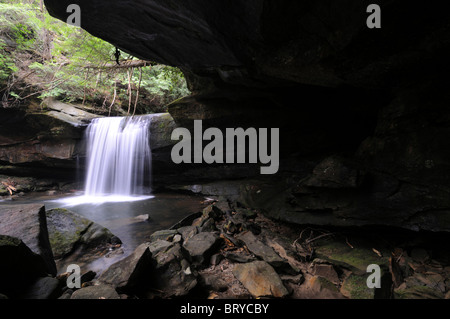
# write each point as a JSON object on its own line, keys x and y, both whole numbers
{"x": 227, "y": 251}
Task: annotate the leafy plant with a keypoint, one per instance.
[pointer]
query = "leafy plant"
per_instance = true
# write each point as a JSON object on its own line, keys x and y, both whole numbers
{"x": 67, "y": 63}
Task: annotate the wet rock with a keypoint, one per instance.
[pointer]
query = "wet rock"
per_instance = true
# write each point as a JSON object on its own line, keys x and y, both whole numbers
{"x": 208, "y": 225}
{"x": 161, "y": 129}
{"x": 213, "y": 282}
{"x": 158, "y": 245}
{"x": 43, "y": 288}
{"x": 187, "y": 232}
{"x": 260, "y": 279}
{"x": 172, "y": 272}
{"x": 51, "y": 141}
{"x": 212, "y": 211}
{"x": 325, "y": 271}
{"x": 240, "y": 257}
{"x": 131, "y": 272}
{"x": 69, "y": 230}
{"x": 29, "y": 223}
{"x": 321, "y": 288}
{"x": 202, "y": 246}
{"x": 261, "y": 250}
{"x": 142, "y": 218}
{"x": 66, "y": 294}
{"x": 19, "y": 266}
{"x": 96, "y": 292}
{"x": 297, "y": 279}
{"x": 165, "y": 234}
{"x": 187, "y": 221}
{"x": 177, "y": 238}
{"x": 338, "y": 253}
{"x": 418, "y": 292}
{"x": 355, "y": 287}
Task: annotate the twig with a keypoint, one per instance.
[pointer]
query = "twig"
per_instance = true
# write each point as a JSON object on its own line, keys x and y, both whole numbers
{"x": 308, "y": 241}
{"x": 350, "y": 245}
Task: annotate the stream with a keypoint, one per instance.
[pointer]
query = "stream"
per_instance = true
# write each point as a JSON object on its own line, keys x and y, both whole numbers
{"x": 123, "y": 218}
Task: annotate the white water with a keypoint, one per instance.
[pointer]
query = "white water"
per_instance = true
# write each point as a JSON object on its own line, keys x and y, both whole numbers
{"x": 118, "y": 156}
{"x": 118, "y": 161}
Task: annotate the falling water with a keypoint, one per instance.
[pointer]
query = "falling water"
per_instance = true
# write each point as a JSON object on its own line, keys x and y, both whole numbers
{"x": 118, "y": 156}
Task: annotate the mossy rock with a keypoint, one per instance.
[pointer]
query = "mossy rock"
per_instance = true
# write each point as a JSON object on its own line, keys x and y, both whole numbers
{"x": 418, "y": 292}
{"x": 65, "y": 230}
{"x": 68, "y": 230}
{"x": 9, "y": 241}
{"x": 356, "y": 259}
{"x": 355, "y": 287}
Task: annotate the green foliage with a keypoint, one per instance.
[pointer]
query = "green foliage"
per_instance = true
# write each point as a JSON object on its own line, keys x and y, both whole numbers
{"x": 68, "y": 63}
{"x": 7, "y": 65}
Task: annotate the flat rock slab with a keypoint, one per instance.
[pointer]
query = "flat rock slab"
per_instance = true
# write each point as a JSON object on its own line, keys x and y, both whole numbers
{"x": 29, "y": 223}
{"x": 321, "y": 288}
{"x": 260, "y": 279}
{"x": 201, "y": 246}
{"x": 96, "y": 292}
{"x": 326, "y": 271}
{"x": 165, "y": 234}
{"x": 261, "y": 250}
{"x": 129, "y": 272}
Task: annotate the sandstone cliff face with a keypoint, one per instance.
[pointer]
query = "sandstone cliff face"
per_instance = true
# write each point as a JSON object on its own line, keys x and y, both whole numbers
{"x": 368, "y": 105}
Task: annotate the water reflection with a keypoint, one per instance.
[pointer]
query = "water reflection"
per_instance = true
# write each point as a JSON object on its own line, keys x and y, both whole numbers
{"x": 133, "y": 221}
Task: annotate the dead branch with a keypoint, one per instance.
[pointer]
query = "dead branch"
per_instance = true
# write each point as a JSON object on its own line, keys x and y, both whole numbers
{"x": 123, "y": 65}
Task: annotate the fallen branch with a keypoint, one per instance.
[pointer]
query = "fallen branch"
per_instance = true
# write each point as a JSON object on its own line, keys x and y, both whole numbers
{"x": 9, "y": 187}
{"x": 123, "y": 65}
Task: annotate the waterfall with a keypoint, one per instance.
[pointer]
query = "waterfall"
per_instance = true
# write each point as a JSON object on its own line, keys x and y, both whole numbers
{"x": 118, "y": 156}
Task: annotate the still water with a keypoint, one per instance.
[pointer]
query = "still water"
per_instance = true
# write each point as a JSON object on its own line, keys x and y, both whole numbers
{"x": 123, "y": 218}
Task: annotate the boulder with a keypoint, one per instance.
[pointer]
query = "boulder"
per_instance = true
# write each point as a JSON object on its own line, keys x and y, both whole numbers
{"x": 321, "y": 288}
{"x": 43, "y": 288}
{"x": 187, "y": 232}
{"x": 172, "y": 272}
{"x": 19, "y": 266}
{"x": 355, "y": 287}
{"x": 131, "y": 273}
{"x": 260, "y": 279}
{"x": 48, "y": 138}
{"x": 419, "y": 292}
{"x": 69, "y": 230}
{"x": 96, "y": 292}
{"x": 202, "y": 246}
{"x": 165, "y": 234}
{"x": 28, "y": 222}
{"x": 261, "y": 250}
{"x": 326, "y": 271}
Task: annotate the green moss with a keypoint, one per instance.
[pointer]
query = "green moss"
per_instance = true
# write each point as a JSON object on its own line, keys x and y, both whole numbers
{"x": 62, "y": 241}
{"x": 9, "y": 241}
{"x": 355, "y": 287}
{"x": 356, "y": 258}
{"x": 418, "y": 292}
